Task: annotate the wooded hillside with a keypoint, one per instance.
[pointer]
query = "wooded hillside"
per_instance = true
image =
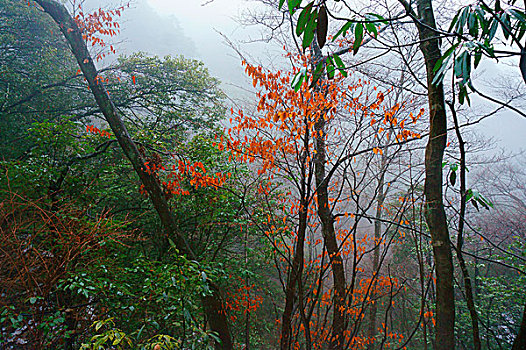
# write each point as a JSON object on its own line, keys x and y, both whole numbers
{"x": 349, "y": 203}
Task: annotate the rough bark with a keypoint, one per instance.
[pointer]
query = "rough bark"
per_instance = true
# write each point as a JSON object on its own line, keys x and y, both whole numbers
{"x": 212, "y": 303}
{"x": 434, "y": 206}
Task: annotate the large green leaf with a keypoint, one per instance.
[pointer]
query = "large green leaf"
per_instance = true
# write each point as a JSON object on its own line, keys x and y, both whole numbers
{"x": 308, "y": 34}
{"x": 358, "y": 37}
{"x": 303, "y": 19}
{"x": 343, "y": 30}
{"x": 340, "y": 65}
{"x": 322, "y": 26}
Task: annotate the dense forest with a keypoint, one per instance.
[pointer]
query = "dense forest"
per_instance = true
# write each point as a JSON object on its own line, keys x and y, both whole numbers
{"x": 346, "y": 200}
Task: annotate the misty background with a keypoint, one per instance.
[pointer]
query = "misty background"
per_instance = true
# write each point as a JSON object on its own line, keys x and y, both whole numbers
{"x": 197, "y": 29}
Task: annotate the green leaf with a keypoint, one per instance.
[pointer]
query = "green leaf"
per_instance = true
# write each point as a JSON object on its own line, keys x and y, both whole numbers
{"x": 478, "y": 57}
{"x": 493, "y": 29}
{"x": 457, "y": 67}
{"x": 487, "y": 47}
{"x": 480, "y": 17}
{"x": 118, "y": 338}
{"x": 519, "y": 15}
{"x": 298, "y": 80}
{"x": 473, "y": 24}
{"x": 303, "y": 19}
{"x": 444, "y": 56}
{"x": 172, "y": 244}
{"x": 453, "y": 178}
{"x": 465, "y": 96}
{"x": 439, "y": 76}
{"x": 140, "y": 331}
{"x": 454, "y": 21}
{"x": 292, "y": 4}
{"x": 469, "y": 194}
{"x": 377, "y": 16}
{"x": 308, "y": 35}
{"x": 330, "y": 68}
{"x": 343, "y": 30}
{"x": 330, "y": 71}
{"x": 340, "y": 65}
{"x": 506, "y": 24}
{"x": 101, "y": 340}
{"x": 371, "y": 28}
{"x": 358, "y": 37}
{"x": 321, "y": 26}
{"x": 281, "y": 2}
{"x": 486, "y": 202}
{"x": 462, "y": 20}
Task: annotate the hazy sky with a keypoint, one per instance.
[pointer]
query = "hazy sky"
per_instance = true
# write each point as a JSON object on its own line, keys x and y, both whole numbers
{"x": 202, "y": 21}
{"x": 185, "y": 27}
{"x": 190, "y": 27}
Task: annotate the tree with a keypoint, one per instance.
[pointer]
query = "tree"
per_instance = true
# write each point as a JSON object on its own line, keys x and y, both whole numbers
{"x": 74, "y": 36}
{"x": 434, "y": 207}
{"x": 295, "y": 137}
{"x": 32, "y": 90}
{"x": 313, "y": 19}
{"x": 303, "y": 222}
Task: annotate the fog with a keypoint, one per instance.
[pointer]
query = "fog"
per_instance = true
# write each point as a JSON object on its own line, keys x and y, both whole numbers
{"x": 194, "y": 29}
{"x": 197, "y": 29}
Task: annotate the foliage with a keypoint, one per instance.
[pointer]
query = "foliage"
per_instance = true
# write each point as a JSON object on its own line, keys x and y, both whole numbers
{"x": 146, "y": 298}
{"x": 40, "y": 246}
{"x": 31, "y": 90}
{"x": 282, "y": 138}
{"x": 305, "y": 212}
{"x": 475, "y": 33}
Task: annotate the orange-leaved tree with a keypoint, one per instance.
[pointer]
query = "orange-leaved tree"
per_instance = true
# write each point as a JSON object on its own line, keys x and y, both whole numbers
{"x": 319, "y": 143}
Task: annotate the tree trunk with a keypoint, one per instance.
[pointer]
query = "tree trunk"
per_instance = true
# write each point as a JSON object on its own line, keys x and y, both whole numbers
{"x": 434, "y": 206}
{"x": 339, "y": 320}
{"x": 371, "y": 333}
{"x": 520, "y": 342}
{"x": 329, "y": 236}
{"x": 460, "y": 236}
{"x": 212, "y": 303}
{"x": 296, "y": 272}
